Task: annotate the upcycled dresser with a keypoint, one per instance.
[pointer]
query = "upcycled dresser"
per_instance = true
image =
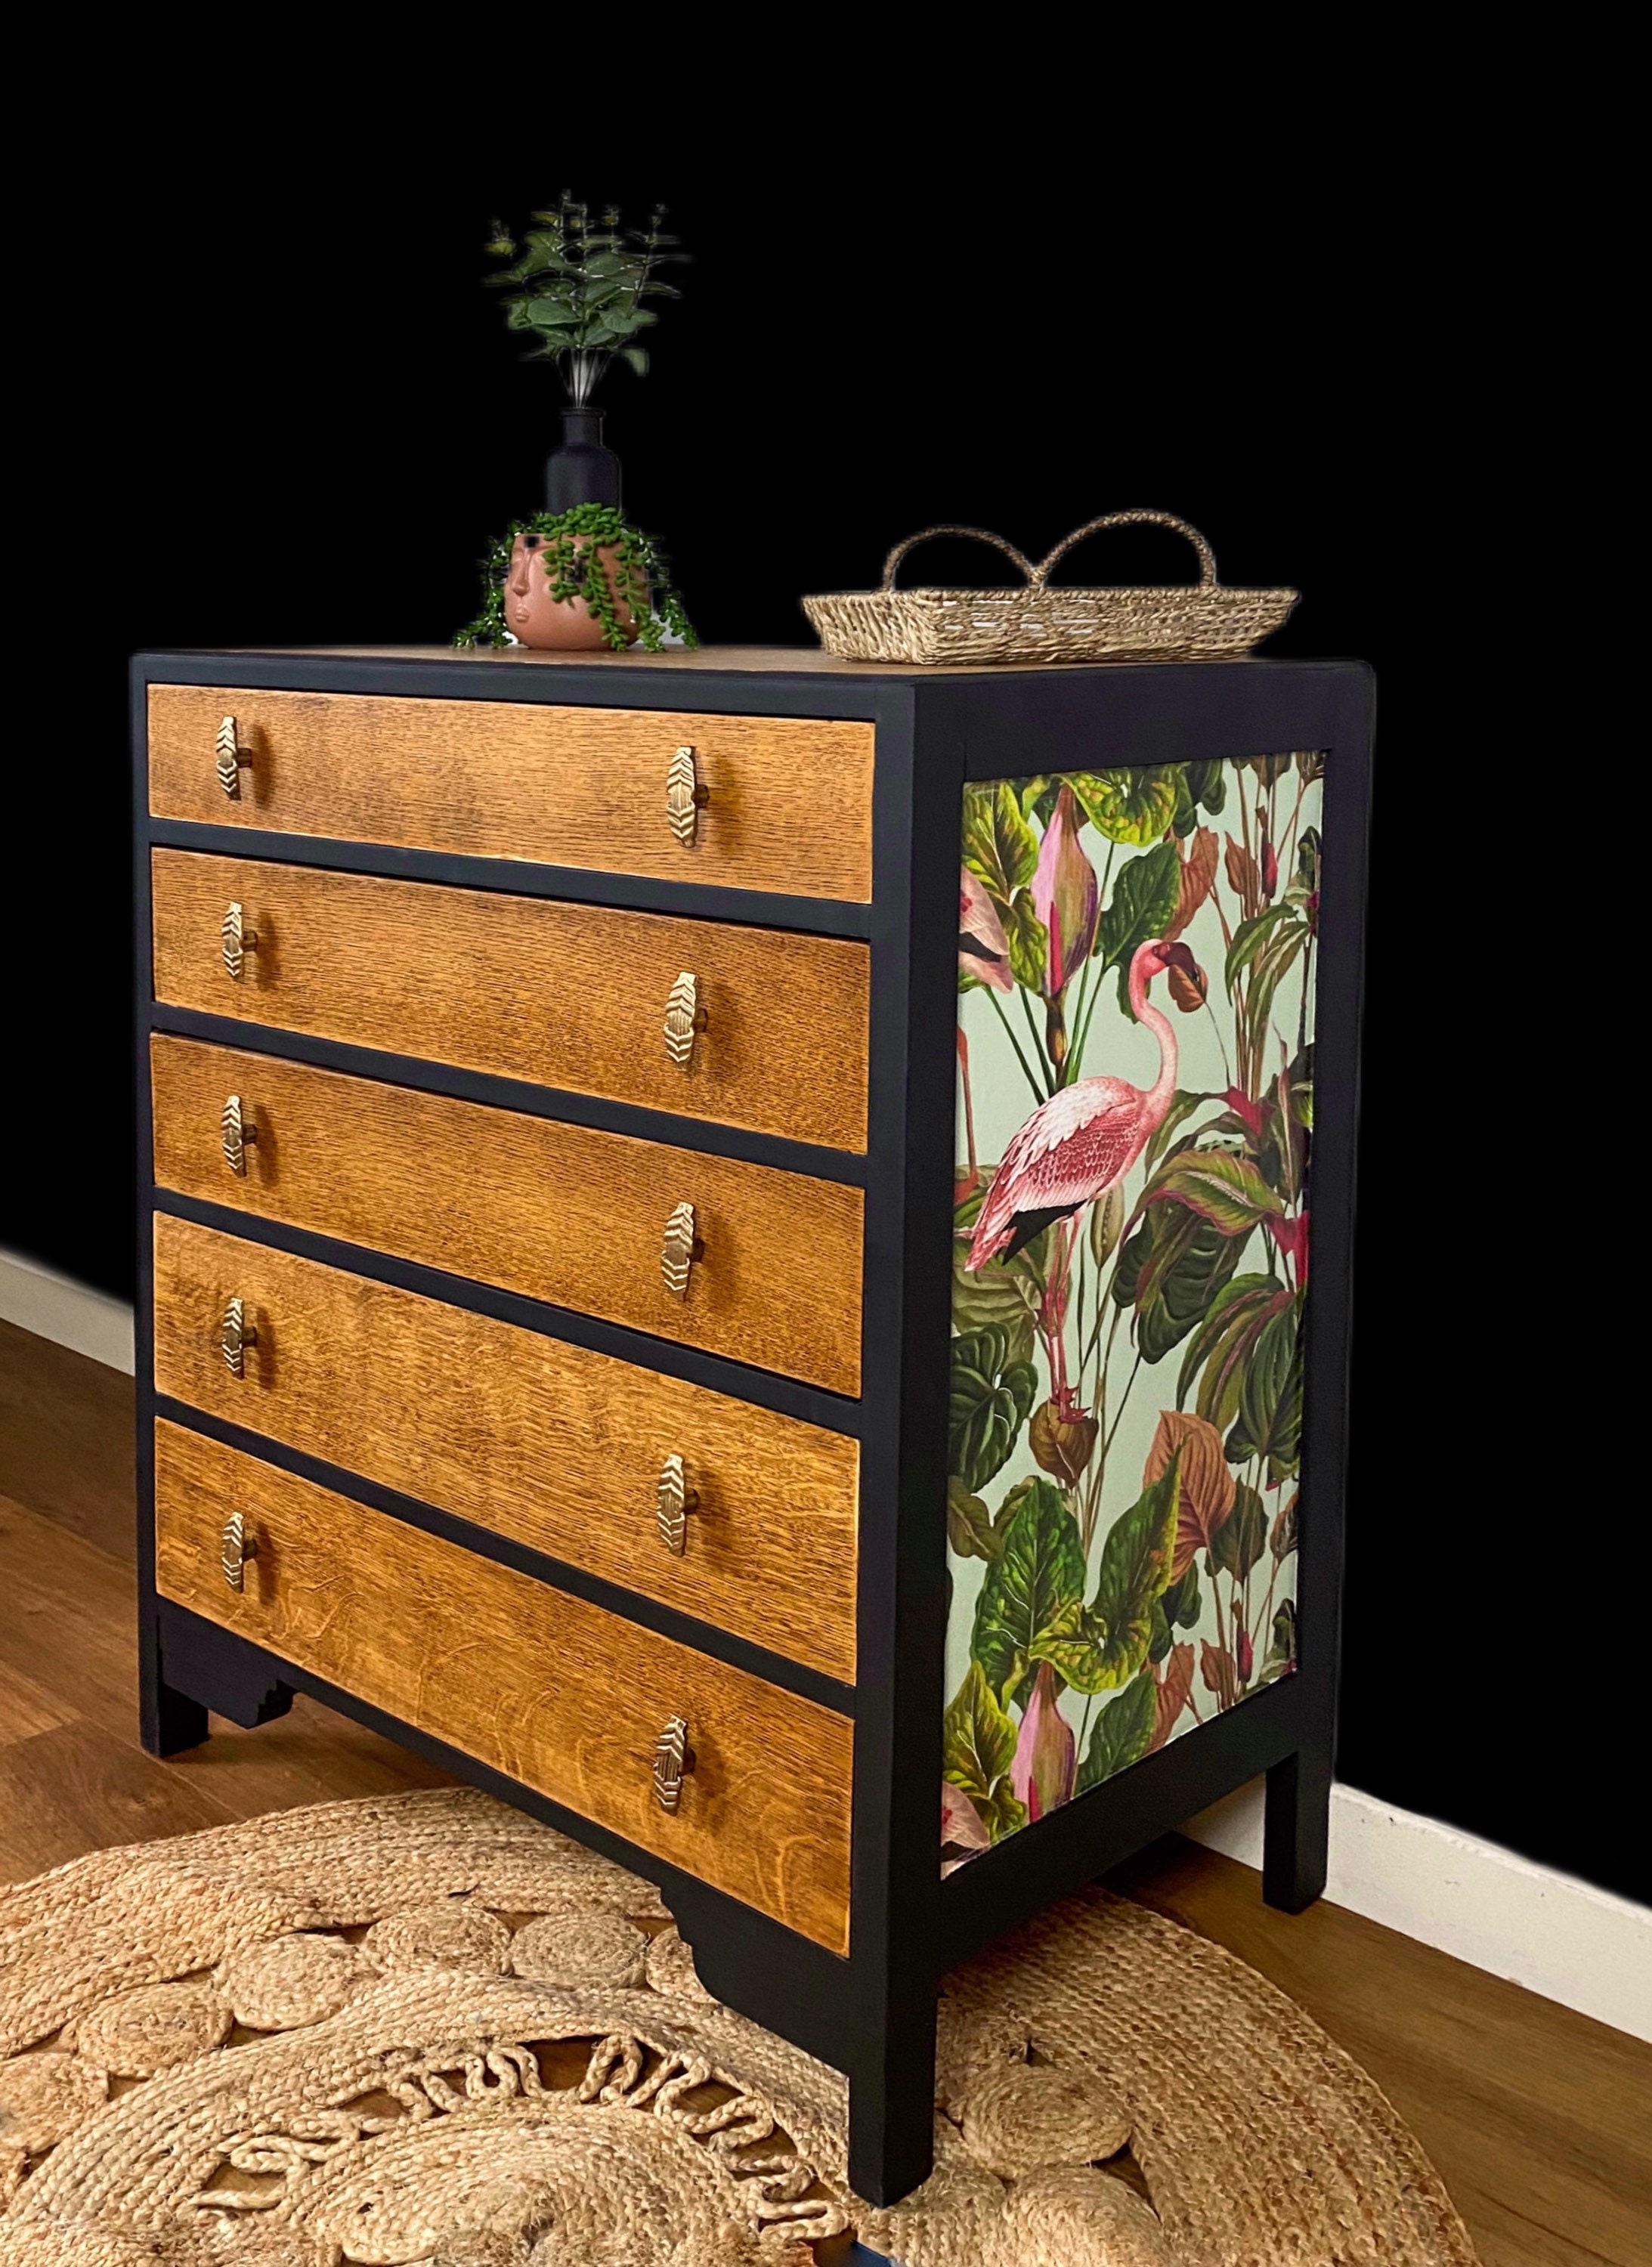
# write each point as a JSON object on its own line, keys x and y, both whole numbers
{"x": 725, "y": 1252}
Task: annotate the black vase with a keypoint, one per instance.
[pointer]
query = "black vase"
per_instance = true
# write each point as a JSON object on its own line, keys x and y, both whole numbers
{"x": 582, "y": 471}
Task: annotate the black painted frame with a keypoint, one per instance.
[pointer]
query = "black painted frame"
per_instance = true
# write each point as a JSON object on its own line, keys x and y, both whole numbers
{"x": 873, "y": 2013}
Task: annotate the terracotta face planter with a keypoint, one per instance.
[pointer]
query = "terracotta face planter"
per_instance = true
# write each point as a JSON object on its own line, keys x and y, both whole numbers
{"x": 565, "y": 624}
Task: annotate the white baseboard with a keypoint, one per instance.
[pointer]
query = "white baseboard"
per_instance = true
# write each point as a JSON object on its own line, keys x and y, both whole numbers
{"x": 1555, "y": 1935}
{"x": 70, "y": 1313}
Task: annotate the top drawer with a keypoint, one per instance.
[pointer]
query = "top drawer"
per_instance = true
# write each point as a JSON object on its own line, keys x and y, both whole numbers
{"x": 787, "y": 802}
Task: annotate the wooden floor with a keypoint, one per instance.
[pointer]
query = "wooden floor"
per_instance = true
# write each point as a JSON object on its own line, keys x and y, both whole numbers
{"x": 1540, "y": 2120}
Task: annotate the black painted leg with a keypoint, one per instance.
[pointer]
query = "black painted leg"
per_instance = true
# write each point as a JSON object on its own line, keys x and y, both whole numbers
{"x": 236, "y": 1679}
{"x": 891, "y": 2104}
{"x": 169, "y": 1720}
{"x": 1297, "y": 1830}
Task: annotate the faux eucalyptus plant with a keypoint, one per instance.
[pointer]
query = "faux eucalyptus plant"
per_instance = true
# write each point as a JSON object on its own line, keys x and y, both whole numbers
{"x": 579, "y": 287}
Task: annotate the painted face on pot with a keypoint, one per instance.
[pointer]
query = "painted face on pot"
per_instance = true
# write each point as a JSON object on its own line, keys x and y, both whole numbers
{"x": 519, "y": 589}
{"x": 533, "y": 617}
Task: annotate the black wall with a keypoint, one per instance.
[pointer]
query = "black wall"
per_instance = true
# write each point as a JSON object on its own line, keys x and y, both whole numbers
{"x": 304, "y": 417}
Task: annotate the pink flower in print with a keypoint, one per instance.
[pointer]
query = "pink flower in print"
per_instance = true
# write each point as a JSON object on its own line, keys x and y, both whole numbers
{"x": 1242, "y": 1106}
{"x": 960, "y": 1821}
{"x": 1245, "y": 1657}
{"x": 1291, "y": 1236}
{"x": 1065, "y": 896}
{"x": 983, "y": 949}
{"x": 1046, "y": 1754}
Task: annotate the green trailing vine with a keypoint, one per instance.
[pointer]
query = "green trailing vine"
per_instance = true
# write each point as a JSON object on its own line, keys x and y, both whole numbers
{"x": 571, "y": 544}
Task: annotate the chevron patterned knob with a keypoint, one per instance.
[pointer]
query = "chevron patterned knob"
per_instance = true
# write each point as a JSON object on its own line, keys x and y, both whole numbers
{"x": 677, "y": 1500}
{"x": 684, "y": 1018}
{"x": 685, "y": 797}
{"x": 235, "y": 1335}
{"x": 680, "y": 1250}
{"x": 238, "y": 1133}
{"x": 238, "y": 1547}
{"x": 238, "y": 940}
{"x": 673, "y": 1761}
{"x": 231, "y": 759}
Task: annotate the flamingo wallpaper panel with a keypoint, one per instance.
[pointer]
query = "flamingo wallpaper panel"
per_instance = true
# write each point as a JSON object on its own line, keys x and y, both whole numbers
{"x": 1136, "y": 956}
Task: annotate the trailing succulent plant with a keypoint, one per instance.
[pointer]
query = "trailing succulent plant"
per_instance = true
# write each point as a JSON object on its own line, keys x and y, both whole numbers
{"x": 579, "y": 287}
{"x": 571, "y": 544}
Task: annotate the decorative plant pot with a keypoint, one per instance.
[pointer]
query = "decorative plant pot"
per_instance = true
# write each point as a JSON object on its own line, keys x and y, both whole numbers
{"x": 559, "y": 625}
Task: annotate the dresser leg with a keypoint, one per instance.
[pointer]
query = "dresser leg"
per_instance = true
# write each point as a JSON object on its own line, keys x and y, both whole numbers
{"x": 892, "y": 2107}
{"x": 169, "y": 1720}
{"x": 1297, "y": 1830}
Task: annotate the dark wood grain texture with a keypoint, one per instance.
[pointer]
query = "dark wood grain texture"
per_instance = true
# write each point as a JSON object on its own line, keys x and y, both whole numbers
{"x": 560, "y": 995}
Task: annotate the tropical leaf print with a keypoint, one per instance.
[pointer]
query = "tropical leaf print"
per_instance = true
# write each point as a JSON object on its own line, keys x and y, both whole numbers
{"x": 1036, "y": 1580}
{"x": 1124, "y": 1731}
{"x": 1170, "y": 1271}
{"x": 978, "y": 1747}
{"x": 1129, "y": 806}
{"x": 1097, "y": 1648}
{"x": 1144, "y": 904}
{"x": 1000, "y": 848}
{"x": 991, "y": 1395}
{"x": 970, "y": 1533}
{"x": 1138, "y": 950}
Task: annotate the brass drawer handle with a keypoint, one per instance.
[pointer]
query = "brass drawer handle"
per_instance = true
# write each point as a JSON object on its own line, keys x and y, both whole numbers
{"x": 673, "y": 1761}
{"x": 232, "y": 758}
{"x": 235, "y": 1335}
{"x": 238, "y": 1547}
{"x": 685, "y": 797}
{"x": 240, "y": 1133}
{"x": 684, "y": 1017}
{"x": 677, "y": 1500}
{"x": 681, "y": 1248}
{"x": 238, "y": 940}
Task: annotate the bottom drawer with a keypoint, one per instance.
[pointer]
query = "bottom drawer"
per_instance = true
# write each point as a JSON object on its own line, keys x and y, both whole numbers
{"x": 545, "y": 1687}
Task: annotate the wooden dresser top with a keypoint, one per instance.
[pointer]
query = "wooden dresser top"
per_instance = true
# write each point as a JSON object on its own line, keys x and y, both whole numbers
{"x": 712, "y": 660}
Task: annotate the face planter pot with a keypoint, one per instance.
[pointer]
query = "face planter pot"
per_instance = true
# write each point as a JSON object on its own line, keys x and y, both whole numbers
{"x": 535, "y": 618}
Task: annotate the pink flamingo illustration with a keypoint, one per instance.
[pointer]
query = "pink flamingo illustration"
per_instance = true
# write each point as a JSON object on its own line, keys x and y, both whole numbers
{"x": 1087, "y": 1135}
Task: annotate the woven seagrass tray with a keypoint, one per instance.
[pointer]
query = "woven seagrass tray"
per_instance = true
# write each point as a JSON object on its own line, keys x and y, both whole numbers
{"x": 1197, "y": 621}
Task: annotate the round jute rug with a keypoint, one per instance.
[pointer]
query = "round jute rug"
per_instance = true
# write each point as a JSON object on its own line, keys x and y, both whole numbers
{"x": 425, "y": 2029}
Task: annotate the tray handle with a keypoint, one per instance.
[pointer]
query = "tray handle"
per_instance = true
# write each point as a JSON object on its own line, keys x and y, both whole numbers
{"x": 977, "y": 535}
{"x": 1041, "y": 574}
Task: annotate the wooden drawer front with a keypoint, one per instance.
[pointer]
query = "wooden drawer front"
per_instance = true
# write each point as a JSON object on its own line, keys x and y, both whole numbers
{"x": 556, "y": 1447}
{"x": 562, "y": 996}
{"x": 556, "y": 1692}
{"x": 555, "y": 1211}
{"x": 789, "y": 804}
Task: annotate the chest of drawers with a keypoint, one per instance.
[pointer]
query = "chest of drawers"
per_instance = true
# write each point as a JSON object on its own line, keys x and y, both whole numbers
{"x": 724, "y": 1251}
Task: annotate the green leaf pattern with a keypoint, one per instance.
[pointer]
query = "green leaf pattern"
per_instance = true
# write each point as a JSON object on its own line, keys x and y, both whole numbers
{"x": 1123, "y": 1733}
{"x": 1200, "y": 1250}
{"x": 992, "y": 1393}
{"x": 1035, "y": 1581}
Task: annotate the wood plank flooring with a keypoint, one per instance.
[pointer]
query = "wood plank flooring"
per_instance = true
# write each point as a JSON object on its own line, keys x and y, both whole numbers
{"x": 1540, "y": 2120}
{"x": 72, "y": 1775}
